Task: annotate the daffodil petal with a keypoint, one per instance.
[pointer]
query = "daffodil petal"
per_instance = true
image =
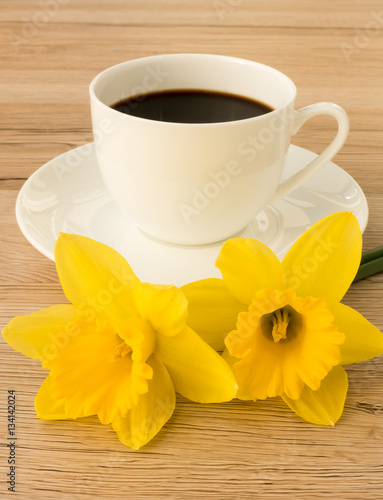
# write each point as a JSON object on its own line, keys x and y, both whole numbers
{"x": 242, "y": 393}
{"x": 324, "y": 406}
{"x": 40, "y": 334}
{"x": 165, "y": 307}
{"x": 153, "y": 410}
{"x": 197, "y": 371}
{"x": 325, "y": 259}
{"x": 363, "y": 339}
{"x": 213, "y": 310}
{"x": 48, "y": 408}
{"x": 248, "y": 265}
{"x": 94, "y": 274}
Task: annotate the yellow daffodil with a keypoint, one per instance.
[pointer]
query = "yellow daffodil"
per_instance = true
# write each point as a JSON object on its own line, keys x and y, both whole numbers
{"x": 285, "y": 330}
{"x": 120, "y": 349}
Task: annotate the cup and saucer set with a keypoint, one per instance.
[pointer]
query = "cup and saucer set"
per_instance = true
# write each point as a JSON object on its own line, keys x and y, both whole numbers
{"x": 189, "y": 150}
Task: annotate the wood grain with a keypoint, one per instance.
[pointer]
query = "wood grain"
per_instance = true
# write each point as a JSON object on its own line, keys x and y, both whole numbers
{"x": 236, "y": 450}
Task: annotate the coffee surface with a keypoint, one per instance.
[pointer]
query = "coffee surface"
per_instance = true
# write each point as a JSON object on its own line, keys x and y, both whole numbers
{"x": 192, "y": 106}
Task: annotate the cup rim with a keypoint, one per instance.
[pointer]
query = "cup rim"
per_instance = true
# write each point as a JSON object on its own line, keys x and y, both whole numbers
{"x": 157, "y": 57}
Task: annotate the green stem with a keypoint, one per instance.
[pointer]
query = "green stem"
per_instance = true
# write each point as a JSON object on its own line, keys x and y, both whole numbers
{"x": 370, "y": 255}
{"x": 369, "y": 268}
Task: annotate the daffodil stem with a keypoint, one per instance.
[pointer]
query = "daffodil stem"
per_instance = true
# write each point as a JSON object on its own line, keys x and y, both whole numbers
{"x": 370, "y": 255}
{"x": 369, "y": 268}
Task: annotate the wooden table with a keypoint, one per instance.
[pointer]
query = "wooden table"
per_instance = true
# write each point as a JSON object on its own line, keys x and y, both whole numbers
{"x": 50, "y": 51}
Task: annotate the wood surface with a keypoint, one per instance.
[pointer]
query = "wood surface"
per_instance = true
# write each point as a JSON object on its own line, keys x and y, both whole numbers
{"x": 234, "y": 450}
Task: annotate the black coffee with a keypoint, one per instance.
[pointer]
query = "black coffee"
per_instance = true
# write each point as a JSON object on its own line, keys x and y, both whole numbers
{"x": 192, "y": 106}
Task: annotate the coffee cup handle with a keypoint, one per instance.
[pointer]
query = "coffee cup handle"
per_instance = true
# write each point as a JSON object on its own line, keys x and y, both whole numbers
{"x": 300, "y": 117}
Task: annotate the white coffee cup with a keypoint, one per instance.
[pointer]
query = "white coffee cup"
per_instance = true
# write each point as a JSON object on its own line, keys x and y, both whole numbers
{"x": 200, "y": 183}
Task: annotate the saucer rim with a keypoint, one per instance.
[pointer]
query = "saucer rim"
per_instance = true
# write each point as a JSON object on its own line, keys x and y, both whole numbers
{"x": 50, "y": 254}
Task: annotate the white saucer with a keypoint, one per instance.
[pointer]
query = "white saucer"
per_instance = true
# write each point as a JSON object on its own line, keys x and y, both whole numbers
{"x": 68, "y": 194}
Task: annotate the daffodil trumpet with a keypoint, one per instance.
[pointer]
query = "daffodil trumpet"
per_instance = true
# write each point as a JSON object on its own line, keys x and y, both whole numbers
{"x": 280, "y": 324}
{"x": 120, "y": 350}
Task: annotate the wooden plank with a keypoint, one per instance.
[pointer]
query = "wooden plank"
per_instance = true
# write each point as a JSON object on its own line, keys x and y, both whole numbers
{"x": 181, "y": 13}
